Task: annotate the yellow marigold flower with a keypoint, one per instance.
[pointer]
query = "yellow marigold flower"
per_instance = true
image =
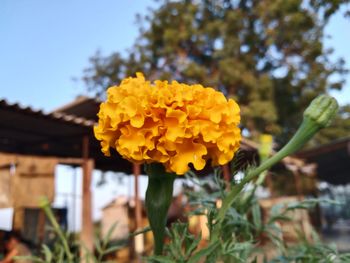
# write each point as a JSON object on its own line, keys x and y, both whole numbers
{"x": 171, "y": 123}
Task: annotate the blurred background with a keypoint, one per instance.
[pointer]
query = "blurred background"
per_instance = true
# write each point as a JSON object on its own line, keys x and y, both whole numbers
{"x": 57, "y": 58}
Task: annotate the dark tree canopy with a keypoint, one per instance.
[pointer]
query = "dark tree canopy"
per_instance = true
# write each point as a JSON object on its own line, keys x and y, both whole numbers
{"x": 267, "y": 54}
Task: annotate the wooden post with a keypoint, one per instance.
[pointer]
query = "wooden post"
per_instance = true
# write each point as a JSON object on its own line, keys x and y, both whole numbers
{"x": 86, "y": 236}
{"x": 138, "y": 241}
{"x": 138, "y": 208}
{"x": 226, "y": 172}
{"x": 298, "y": 184}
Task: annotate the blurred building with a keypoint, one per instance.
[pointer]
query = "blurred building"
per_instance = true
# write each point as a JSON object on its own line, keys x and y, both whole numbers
{"x": 31, "y": 144}
{"x": 115, "y": 218}
{"x": 333, "y": 170}
{"x": 333, "y": 161}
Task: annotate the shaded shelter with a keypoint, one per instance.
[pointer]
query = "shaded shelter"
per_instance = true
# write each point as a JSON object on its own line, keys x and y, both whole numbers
{"x": 332, "y": 159}
{"x": 69, "y": 139}
{"x": 24, "y": 130}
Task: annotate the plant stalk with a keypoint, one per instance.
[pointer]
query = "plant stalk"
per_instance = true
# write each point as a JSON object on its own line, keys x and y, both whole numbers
{"x": 45, "y": 205}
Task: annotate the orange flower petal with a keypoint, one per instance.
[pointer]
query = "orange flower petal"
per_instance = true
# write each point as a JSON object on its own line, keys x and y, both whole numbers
{"x": 171, "y": 123}
{"x": 186, "y": 153}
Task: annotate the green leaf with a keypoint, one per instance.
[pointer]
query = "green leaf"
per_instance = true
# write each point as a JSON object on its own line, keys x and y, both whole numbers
{"x": 142, "y": 231}
{"x": 160, "y": 259}
{"x": 107, "y": 238}
{"x": 111, "y": 249}
{"x": 29, "y": 258}
{"x": 279, "y": 218}
{"x": 98, "y": 246}
{"x": 204, "y": 252}
{"x": 256, "y": 213}
{"x": 193, "y": 245}
{"x": 47, "y": 253}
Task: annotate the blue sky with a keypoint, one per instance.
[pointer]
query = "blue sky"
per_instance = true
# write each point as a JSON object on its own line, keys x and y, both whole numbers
{"x": 44, "y": 44}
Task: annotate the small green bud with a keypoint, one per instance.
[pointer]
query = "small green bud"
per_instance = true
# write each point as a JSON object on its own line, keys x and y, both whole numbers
{"x": 322, "y": 110}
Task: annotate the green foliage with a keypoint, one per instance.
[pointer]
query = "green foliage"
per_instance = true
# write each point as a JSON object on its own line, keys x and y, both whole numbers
{"x": 61, "y": 252}
{"x": 269, "y": 55}
{"x": 242, "y": 230}
{"x": 182, "y": 246}
{"x": 240, "y": 233}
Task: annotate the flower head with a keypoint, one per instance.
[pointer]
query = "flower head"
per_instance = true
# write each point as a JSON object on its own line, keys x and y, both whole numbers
{"x": 170, "y": 123}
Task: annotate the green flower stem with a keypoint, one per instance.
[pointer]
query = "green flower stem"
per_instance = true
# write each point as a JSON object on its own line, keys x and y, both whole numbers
{"x": 317, "y": 116}
{"x": 306, "y": 131}
{"x": 158, "y": 199}
{"x": 45, "y": 205}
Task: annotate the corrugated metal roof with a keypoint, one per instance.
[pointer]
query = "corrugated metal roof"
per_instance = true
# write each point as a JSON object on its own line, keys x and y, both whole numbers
{"x": 24, "y": 130}
{"x": 60, "y": 116}
{"x": 82, "y": 106}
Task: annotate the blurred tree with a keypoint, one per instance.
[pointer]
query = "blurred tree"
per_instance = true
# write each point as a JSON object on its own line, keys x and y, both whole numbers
{"x": 267, "y": 54}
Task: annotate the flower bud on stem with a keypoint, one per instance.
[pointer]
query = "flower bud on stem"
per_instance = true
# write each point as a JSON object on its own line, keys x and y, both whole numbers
{"x": 317, "y": 116}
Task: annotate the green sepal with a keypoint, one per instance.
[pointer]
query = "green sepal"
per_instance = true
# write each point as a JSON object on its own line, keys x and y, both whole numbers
{"x": 158, "y": 199}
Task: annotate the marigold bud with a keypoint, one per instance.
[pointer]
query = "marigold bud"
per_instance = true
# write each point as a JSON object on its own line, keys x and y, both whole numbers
{"x": 322, "y": 110}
